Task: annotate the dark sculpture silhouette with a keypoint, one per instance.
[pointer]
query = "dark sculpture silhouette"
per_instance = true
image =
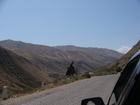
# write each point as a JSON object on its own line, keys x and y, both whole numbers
{"x": 71, "y": 70}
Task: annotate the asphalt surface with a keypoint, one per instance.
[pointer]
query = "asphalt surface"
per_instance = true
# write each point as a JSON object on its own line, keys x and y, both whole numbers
{"x": 70, "y": 94}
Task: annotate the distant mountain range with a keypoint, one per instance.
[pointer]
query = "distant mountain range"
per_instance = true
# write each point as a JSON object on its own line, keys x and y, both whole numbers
{"x": 60, "y": 57}
{"x": 24, "y": 65}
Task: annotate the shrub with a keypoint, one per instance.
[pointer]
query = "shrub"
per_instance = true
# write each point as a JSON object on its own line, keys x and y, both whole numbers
{"x": 51, "y": 85}
{"x": 119, "y": 69}
{"x": 117, "y": 64}
{"x": 86, "y": 75}
{"x": 75, "y": 78}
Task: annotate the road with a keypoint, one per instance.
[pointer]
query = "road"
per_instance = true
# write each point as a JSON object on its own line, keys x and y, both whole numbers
{"x": 70, "y": 94}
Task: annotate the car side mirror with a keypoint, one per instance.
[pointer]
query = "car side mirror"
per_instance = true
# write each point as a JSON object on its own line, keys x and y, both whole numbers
{"x": 93, "y": 101}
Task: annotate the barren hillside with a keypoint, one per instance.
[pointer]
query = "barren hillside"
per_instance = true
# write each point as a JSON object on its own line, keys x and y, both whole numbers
{"x": 58, "y": 59}
{"x": 18, "y": 72}
{"x": 121, "y": 63}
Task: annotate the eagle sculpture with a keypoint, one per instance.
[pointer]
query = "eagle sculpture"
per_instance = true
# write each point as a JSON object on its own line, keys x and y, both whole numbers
{"x": 71, "y": 70}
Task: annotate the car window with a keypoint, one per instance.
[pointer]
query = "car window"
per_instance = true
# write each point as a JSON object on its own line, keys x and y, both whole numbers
{"x": 112, "y": 100}
{"x": 122, "y": 81}
{"x": 138, "y": 67}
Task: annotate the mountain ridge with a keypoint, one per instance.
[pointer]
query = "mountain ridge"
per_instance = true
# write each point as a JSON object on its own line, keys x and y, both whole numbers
{"x": 89, "y": 56}
{"x": 10, "y": 44}
{"x": 17, "y": 72}
{"x": 120, "y": 63}
{"x": 26, "y": 67}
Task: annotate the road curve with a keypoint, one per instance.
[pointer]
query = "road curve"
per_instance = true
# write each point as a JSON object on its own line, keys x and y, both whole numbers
{"x": 70, "y": 94}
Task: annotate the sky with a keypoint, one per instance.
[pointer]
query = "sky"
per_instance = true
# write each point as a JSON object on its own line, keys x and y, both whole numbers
{"x": 111, "y": 24}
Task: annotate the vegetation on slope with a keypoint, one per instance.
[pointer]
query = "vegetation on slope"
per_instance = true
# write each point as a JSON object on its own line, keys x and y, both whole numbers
{"x": 118, "y": 65}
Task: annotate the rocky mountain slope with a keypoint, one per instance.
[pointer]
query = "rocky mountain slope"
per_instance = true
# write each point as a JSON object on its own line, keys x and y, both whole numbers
{"x": 97, "y": 51}
{"x": 121, "y": 63}
{"x": 18, "y": 73}
{"x": 57, "y": 59}
{"x": 24, "y": 65}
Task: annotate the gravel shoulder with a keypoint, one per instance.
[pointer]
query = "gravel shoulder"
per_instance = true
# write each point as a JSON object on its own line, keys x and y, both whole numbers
{"x": 70, "y": 94}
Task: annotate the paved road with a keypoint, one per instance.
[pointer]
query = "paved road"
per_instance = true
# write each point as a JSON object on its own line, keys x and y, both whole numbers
{"x": 70, "y": 94}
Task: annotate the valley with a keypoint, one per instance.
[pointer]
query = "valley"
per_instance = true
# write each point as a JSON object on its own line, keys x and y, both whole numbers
{"x": 24, "y": 66}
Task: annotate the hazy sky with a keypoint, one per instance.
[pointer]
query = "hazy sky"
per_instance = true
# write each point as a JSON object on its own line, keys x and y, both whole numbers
{"x": 112, "y": 24}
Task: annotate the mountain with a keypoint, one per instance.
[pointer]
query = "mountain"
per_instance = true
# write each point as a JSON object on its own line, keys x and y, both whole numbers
{"x": 92, "y": 53}
{"x": 38, "y": 49}
{"x": 121, "y": 63}
{"x": 17, "y": 72}
{"x": 56, "y": 59}
{"x": 25, "y": 65}
{"x": 124, "y": 59}
{"x": 98, "y": 51}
